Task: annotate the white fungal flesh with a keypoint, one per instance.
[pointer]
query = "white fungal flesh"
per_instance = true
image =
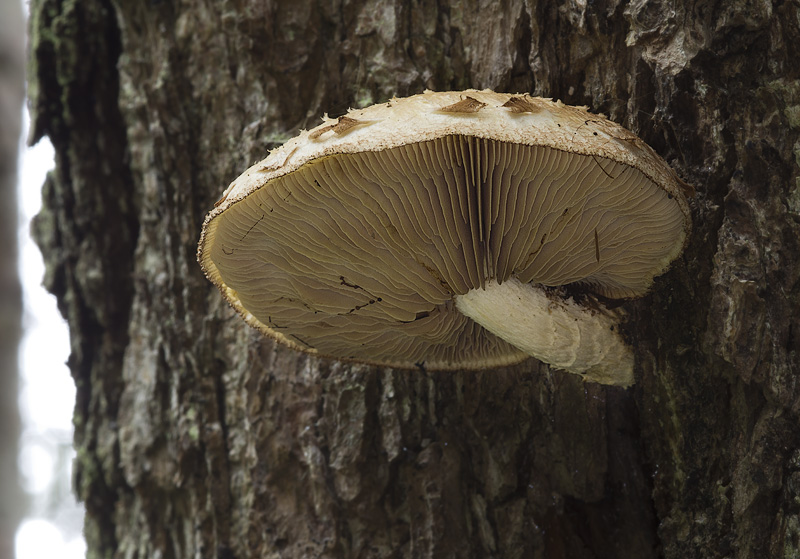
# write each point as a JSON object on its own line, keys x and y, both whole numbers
{"x": 559, "y": 332}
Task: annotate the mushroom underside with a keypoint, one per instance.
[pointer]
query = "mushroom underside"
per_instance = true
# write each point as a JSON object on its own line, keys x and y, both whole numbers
{"x": 362, "y": 256}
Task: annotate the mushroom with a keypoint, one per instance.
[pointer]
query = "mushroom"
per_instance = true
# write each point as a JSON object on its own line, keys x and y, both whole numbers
{"x": 451, "y": 230}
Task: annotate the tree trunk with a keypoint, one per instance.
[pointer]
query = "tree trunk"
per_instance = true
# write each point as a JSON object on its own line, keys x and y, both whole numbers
{"x": 12, "y": 96}
{"x": 198, "y": 438}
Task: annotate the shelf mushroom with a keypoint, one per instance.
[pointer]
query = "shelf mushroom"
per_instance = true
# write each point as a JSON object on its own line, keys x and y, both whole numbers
{"x": 452, "y": 230}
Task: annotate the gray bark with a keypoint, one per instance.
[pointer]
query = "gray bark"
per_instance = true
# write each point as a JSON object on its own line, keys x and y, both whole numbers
{"x": 196, "y": 437}
{"x": 12, "y": 95}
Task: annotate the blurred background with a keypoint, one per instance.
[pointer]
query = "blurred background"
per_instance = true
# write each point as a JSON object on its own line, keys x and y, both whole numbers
{"x": 53, "y": 521}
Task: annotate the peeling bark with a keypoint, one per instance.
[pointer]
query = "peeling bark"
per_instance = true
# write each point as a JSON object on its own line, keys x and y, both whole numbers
{"x": 196, "y": 437}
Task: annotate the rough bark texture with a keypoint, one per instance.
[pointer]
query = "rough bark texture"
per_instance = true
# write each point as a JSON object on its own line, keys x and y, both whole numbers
{"x": 197, "y": 438}
{"x": 12, "y": 96}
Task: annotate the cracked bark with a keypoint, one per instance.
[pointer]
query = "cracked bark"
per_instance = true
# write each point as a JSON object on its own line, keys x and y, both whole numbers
{"x": 197, "y": 438}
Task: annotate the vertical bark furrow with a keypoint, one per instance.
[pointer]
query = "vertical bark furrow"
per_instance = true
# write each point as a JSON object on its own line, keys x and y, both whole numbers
{"x": 87, "y": 228}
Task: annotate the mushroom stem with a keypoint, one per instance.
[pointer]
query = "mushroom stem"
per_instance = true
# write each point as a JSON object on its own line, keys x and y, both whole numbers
{"x": 559, "y": 332}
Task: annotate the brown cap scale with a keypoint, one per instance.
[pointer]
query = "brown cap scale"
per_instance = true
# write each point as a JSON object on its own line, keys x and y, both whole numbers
{"x": 434, "y": 230}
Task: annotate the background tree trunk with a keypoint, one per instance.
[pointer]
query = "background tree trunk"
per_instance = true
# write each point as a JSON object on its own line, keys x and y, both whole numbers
{"x": 12, "y": 96}
{"x": 198, "y": 438}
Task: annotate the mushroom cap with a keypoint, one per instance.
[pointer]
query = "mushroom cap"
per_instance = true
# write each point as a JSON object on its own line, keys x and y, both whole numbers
{"x": 353, "y": 239}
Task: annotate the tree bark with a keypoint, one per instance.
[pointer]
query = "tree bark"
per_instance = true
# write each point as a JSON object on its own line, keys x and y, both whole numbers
{"x": 198, "y": 438}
